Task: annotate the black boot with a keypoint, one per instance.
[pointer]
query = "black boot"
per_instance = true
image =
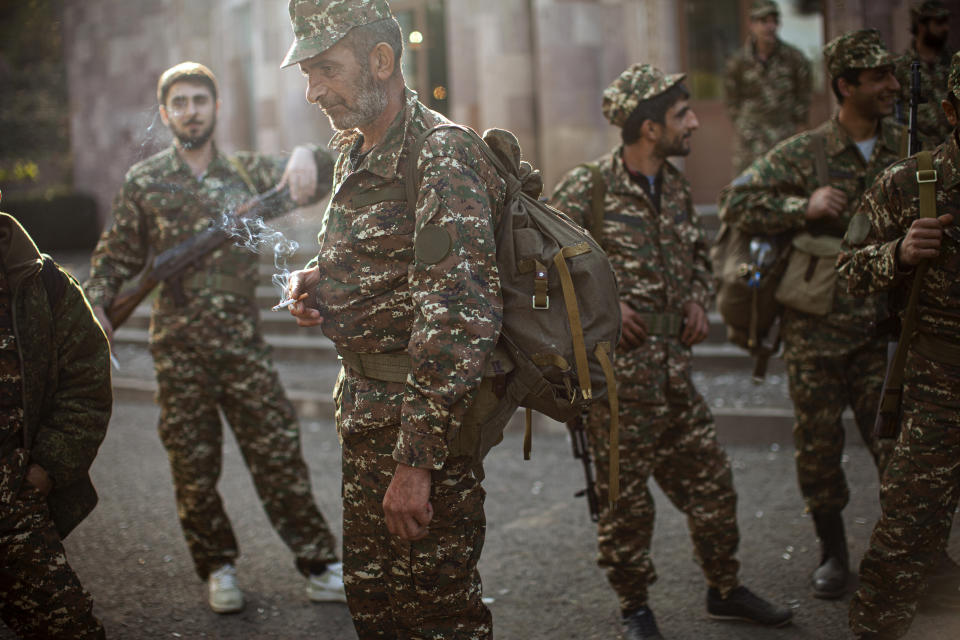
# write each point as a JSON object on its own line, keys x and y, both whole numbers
{"x": 829, "y": 580}
{"x": 640, "y": 624}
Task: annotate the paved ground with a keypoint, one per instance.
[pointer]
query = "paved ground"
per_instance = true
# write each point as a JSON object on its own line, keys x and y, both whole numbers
{"x": 537, "y": 566}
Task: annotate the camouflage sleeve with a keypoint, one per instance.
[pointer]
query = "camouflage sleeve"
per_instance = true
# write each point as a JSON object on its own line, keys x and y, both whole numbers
{"x": 455, "y": 290}
{"x": 122, "y": 250}
{"x": 702, "y": 287}
{"x": 870, "y": 262}
{"x": 731, "y": 91}
{"x": 771, "y": 195}
{"x": 266, "y": 170}
{"x": 75, "y": 422}
{"x": 803, "y": 90}
{"x": 572, "y": 195}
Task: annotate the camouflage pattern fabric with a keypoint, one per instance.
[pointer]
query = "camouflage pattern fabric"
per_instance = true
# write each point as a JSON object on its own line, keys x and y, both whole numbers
{"x": 862, "y": 49}
{"x": 767, "y": 101}
{"x": 56, "y": 404}
{"x": 932, "y": 123}
{"x": 840, "y": 349}
{"x": 922, "y": 483}
{"x": 763, "y": 8}
{"x": 659, "y": 254}
{"x": 429, "y": 588}
{"x": 320, "y": 24}
{"x": 376, "y": 295}
{"x": 210, "y": 353}
{"x": 637, "y": 83}
{"x": 677, "y": 445}
{"x": 40, "y": 595}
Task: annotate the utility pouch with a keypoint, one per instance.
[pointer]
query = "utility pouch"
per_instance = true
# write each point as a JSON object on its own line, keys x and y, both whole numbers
{"x": 810, "y": 279}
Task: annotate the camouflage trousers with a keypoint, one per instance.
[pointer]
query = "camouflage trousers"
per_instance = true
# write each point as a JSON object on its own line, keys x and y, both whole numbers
{"x": 918, "y": 497}
{"x": 40, "y": 596}
{"x": 677, "y": 445}
{"x": 242, "y": 383}
{"x": 821, "y": 388}
{"x": 428, "y": 589}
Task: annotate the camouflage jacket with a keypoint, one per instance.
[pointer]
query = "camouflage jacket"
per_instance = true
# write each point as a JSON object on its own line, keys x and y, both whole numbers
{"x": 661, "y": 262}
{"x": 771, "y": 197}
{"x": 891, "y": 205}
{"x": 769, "y": 99}
{"x": 161, "y": 204}
{"x": 378, "y": 294}
{"x": 932, "y": 122}
{"x": 65, "y": 367}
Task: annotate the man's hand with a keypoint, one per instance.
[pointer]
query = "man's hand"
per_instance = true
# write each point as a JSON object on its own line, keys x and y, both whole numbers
{"x": 406, "y": 505}
{"x": 696, "y": 325}
{"x": 39, "y": 479}
{"x": 634, "y": 330}
{"x": 826, "y": 202}
{"x": 301, "y": 174}
{"x": 101, "y": 315}
{"x": 304, "y": 281}
{"x": 922, "y": 240}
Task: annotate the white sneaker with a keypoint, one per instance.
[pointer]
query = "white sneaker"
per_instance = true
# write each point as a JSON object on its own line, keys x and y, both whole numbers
{"x": 225, "y": 595}
{"x": 328, "y": 586}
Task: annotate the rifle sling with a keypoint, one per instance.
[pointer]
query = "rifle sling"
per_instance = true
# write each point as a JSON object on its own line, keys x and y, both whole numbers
{"x": 926, "y": 179}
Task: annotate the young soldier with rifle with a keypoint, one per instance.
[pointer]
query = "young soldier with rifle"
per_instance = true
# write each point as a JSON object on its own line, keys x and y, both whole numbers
{"x": 208, "y": 351}
{"x": 907, "y": 242}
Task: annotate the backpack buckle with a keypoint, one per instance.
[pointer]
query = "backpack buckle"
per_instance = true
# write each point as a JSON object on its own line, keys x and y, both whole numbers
{"x": 924, "y": 177}
{"x": 546, "y": 304}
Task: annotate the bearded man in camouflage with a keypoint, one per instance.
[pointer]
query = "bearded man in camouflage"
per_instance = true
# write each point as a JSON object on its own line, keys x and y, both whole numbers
{"x": 930, "y": 28}
{"x": 767, "y": 88}
{"x": 205, "y": 336}
{"x": 410, "y": 295}
{"x": 807, "y": 188}
{"x": 920, "y": 488}
{"x": 658, "y": 249}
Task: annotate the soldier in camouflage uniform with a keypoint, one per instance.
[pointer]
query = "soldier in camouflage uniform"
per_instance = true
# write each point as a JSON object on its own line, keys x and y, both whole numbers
{"x": 55, "y": 401}
{"x": 205, "y": 338}
{"x": 658, "y": 249}
{"x": 410, "y": 296}
{"x": 837, "y": 358}
{"x": 767, "y": 88}
{"x": 919, "y": 492}
{"x": 930, "y": 26}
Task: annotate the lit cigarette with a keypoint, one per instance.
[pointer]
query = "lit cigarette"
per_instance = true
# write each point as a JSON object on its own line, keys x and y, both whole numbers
{"x": 114, "y": 361}
{"x": 289, "y": 302}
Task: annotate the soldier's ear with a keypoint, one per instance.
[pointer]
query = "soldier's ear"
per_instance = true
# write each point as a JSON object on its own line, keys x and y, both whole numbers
{"x": 950, "y": 112}
{"x": 382, "y": 61}
{"x": 650, "y": 130}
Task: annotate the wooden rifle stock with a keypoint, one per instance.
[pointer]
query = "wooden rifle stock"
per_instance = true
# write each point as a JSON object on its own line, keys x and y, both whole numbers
{"x": 123, "y": 305}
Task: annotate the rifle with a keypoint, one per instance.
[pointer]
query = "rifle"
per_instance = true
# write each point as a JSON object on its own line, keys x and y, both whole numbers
{"x": 887, "y": 423}
{"x": 171, "y": 264}
{"x": 578, "y": 442}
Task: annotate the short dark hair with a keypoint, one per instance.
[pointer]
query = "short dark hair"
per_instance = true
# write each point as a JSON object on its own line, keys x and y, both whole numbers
{"x": 852, "y": 76}
{"x": 654, "y": 109}
{"x": 191, "y": 72}
{"x": 364, "y": 38}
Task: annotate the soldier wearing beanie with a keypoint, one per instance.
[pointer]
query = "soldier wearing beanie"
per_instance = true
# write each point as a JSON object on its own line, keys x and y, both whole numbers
{"x": 208, "y": 350}
{"x": 806, "y": 189}
{"x": 657, "y": 246}
{"x": 930, "y": 27}
{"x": 918, "y": 495}
{"x": 410, "y": 295}
{"x": 767, "y": 87}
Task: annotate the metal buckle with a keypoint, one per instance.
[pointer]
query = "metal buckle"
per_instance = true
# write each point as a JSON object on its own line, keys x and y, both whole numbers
{"x": 533, "y": 301}
{"x": 924, "y": 177}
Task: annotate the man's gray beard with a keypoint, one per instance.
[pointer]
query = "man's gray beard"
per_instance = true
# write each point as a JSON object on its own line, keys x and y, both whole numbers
{"x": 371, "y": 101}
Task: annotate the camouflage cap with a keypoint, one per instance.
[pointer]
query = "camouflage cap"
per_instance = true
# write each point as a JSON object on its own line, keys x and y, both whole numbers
{"x": 763, "y": 8}
{"x": 638, "y": 83}
{"x": 863, "y": 49}
{"x": 319, "y": 24}
{"x": 185, "y": 71}
{"x": 929, "y": 9}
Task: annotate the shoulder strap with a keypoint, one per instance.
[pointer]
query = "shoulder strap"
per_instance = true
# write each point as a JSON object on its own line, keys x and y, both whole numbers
{"x": 244, "y": 174}
{"x": 904, "y": 141}
{"x": 54, "y": 282}
{"x": 820, "y": 160}
{"x": 598, "y": 191}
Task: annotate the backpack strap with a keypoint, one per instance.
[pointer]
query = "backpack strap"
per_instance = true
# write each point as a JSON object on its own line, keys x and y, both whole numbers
{"x": 598, "y": 191}
{"x": 892, "y": 392}
{"x": 54, "y": 281}
{"x": 244, "y": 174}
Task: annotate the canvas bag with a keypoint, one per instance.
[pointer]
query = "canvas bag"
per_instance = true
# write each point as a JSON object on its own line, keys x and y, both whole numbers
{"x": 810, "y": 279}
